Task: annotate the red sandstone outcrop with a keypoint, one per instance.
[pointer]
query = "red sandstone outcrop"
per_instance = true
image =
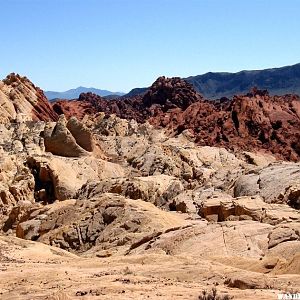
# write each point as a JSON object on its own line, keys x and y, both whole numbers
{"x": 73, "y": 108}
{"x": 171, "y": 93}
{"x": 256, "y": 121}
{"x": 164, "y": 94}
{"x": 89, "y": 104}
{"x": 19, "y": 96}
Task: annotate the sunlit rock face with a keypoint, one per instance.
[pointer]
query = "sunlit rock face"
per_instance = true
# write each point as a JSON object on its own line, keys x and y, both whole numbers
{"x": 168, "y": 190}
{"x": 18, "y": 95}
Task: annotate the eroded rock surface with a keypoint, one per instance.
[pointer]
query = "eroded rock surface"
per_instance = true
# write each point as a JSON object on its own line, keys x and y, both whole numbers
{"x": 276, "y": 183}
{"x": 18, "y": 95}
{"x": 252, "y": 122}
{"x": 109, "y": 222}
{"x": 68, "y": 138}
{"x": 164, "y": 199}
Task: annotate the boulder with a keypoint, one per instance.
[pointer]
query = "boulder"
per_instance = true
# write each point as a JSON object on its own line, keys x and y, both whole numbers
{"x": 61, "y": 178}
{"x": 284, "y": 232}
{"x": 253, "y": 208}
{"x": 276, "y": 183}
{"x": 82, "y": 135}
{"x": 69, "y": 139}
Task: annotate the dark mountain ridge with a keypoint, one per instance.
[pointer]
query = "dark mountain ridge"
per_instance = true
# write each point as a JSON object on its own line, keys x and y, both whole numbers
{"x": 214, "y": 85}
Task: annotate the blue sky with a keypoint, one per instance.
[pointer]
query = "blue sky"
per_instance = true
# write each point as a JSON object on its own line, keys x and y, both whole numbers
{"x": 122, "y": 44}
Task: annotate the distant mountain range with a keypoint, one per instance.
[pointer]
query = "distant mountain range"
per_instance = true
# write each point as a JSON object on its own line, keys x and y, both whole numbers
{"x": 278, "y": 81}
{"x": 74, "y": 93}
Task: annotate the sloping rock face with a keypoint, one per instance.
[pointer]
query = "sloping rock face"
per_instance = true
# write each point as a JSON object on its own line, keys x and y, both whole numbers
{"x": 108, "y": 222}
{"x": 277, "y": 183}
{"x": 157, "y": 189}
{"x": 68, "y": 138}
{"x": 19, "y": 96}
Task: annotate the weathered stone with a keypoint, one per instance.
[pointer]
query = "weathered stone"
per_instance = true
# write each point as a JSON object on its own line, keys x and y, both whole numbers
{"x": 19, "y": 96}
{"x": 276, "y": 183}
{"x": 82, "y": 135}
{"x": 283, "y": 233}
{"x": 60, "y": 141}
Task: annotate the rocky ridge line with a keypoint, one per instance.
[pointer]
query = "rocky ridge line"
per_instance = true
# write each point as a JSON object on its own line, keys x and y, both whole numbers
{"x": 20, "y": 98}
{"x": 252, "y": 122}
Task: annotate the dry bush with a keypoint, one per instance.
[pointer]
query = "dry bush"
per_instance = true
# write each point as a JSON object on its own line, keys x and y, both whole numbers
{"x": 212, "y": 295}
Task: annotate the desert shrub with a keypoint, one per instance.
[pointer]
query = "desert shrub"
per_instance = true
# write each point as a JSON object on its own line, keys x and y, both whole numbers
{"x": 213, "y": 295}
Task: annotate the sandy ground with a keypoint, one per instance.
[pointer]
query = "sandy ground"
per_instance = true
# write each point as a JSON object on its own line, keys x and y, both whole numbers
{"x": 31, "y": 270}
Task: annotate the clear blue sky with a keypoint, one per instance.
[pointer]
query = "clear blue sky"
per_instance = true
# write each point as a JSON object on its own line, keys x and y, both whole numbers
{"x": 121, "y": 44}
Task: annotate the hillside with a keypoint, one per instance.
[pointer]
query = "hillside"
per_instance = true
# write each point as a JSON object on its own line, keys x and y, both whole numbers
{"x": 278, "y": 81}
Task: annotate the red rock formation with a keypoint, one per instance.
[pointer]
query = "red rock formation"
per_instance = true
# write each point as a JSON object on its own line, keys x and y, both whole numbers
{"x": 171, "y": 93}
{"x": 164, "y": 94}
{"x": 256, "y": 121}
{"x": 89, "y": 103}
{"x": 43, "y": 110}
{"x": 73, "y": 108}
{"x": 27, "y": 98}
